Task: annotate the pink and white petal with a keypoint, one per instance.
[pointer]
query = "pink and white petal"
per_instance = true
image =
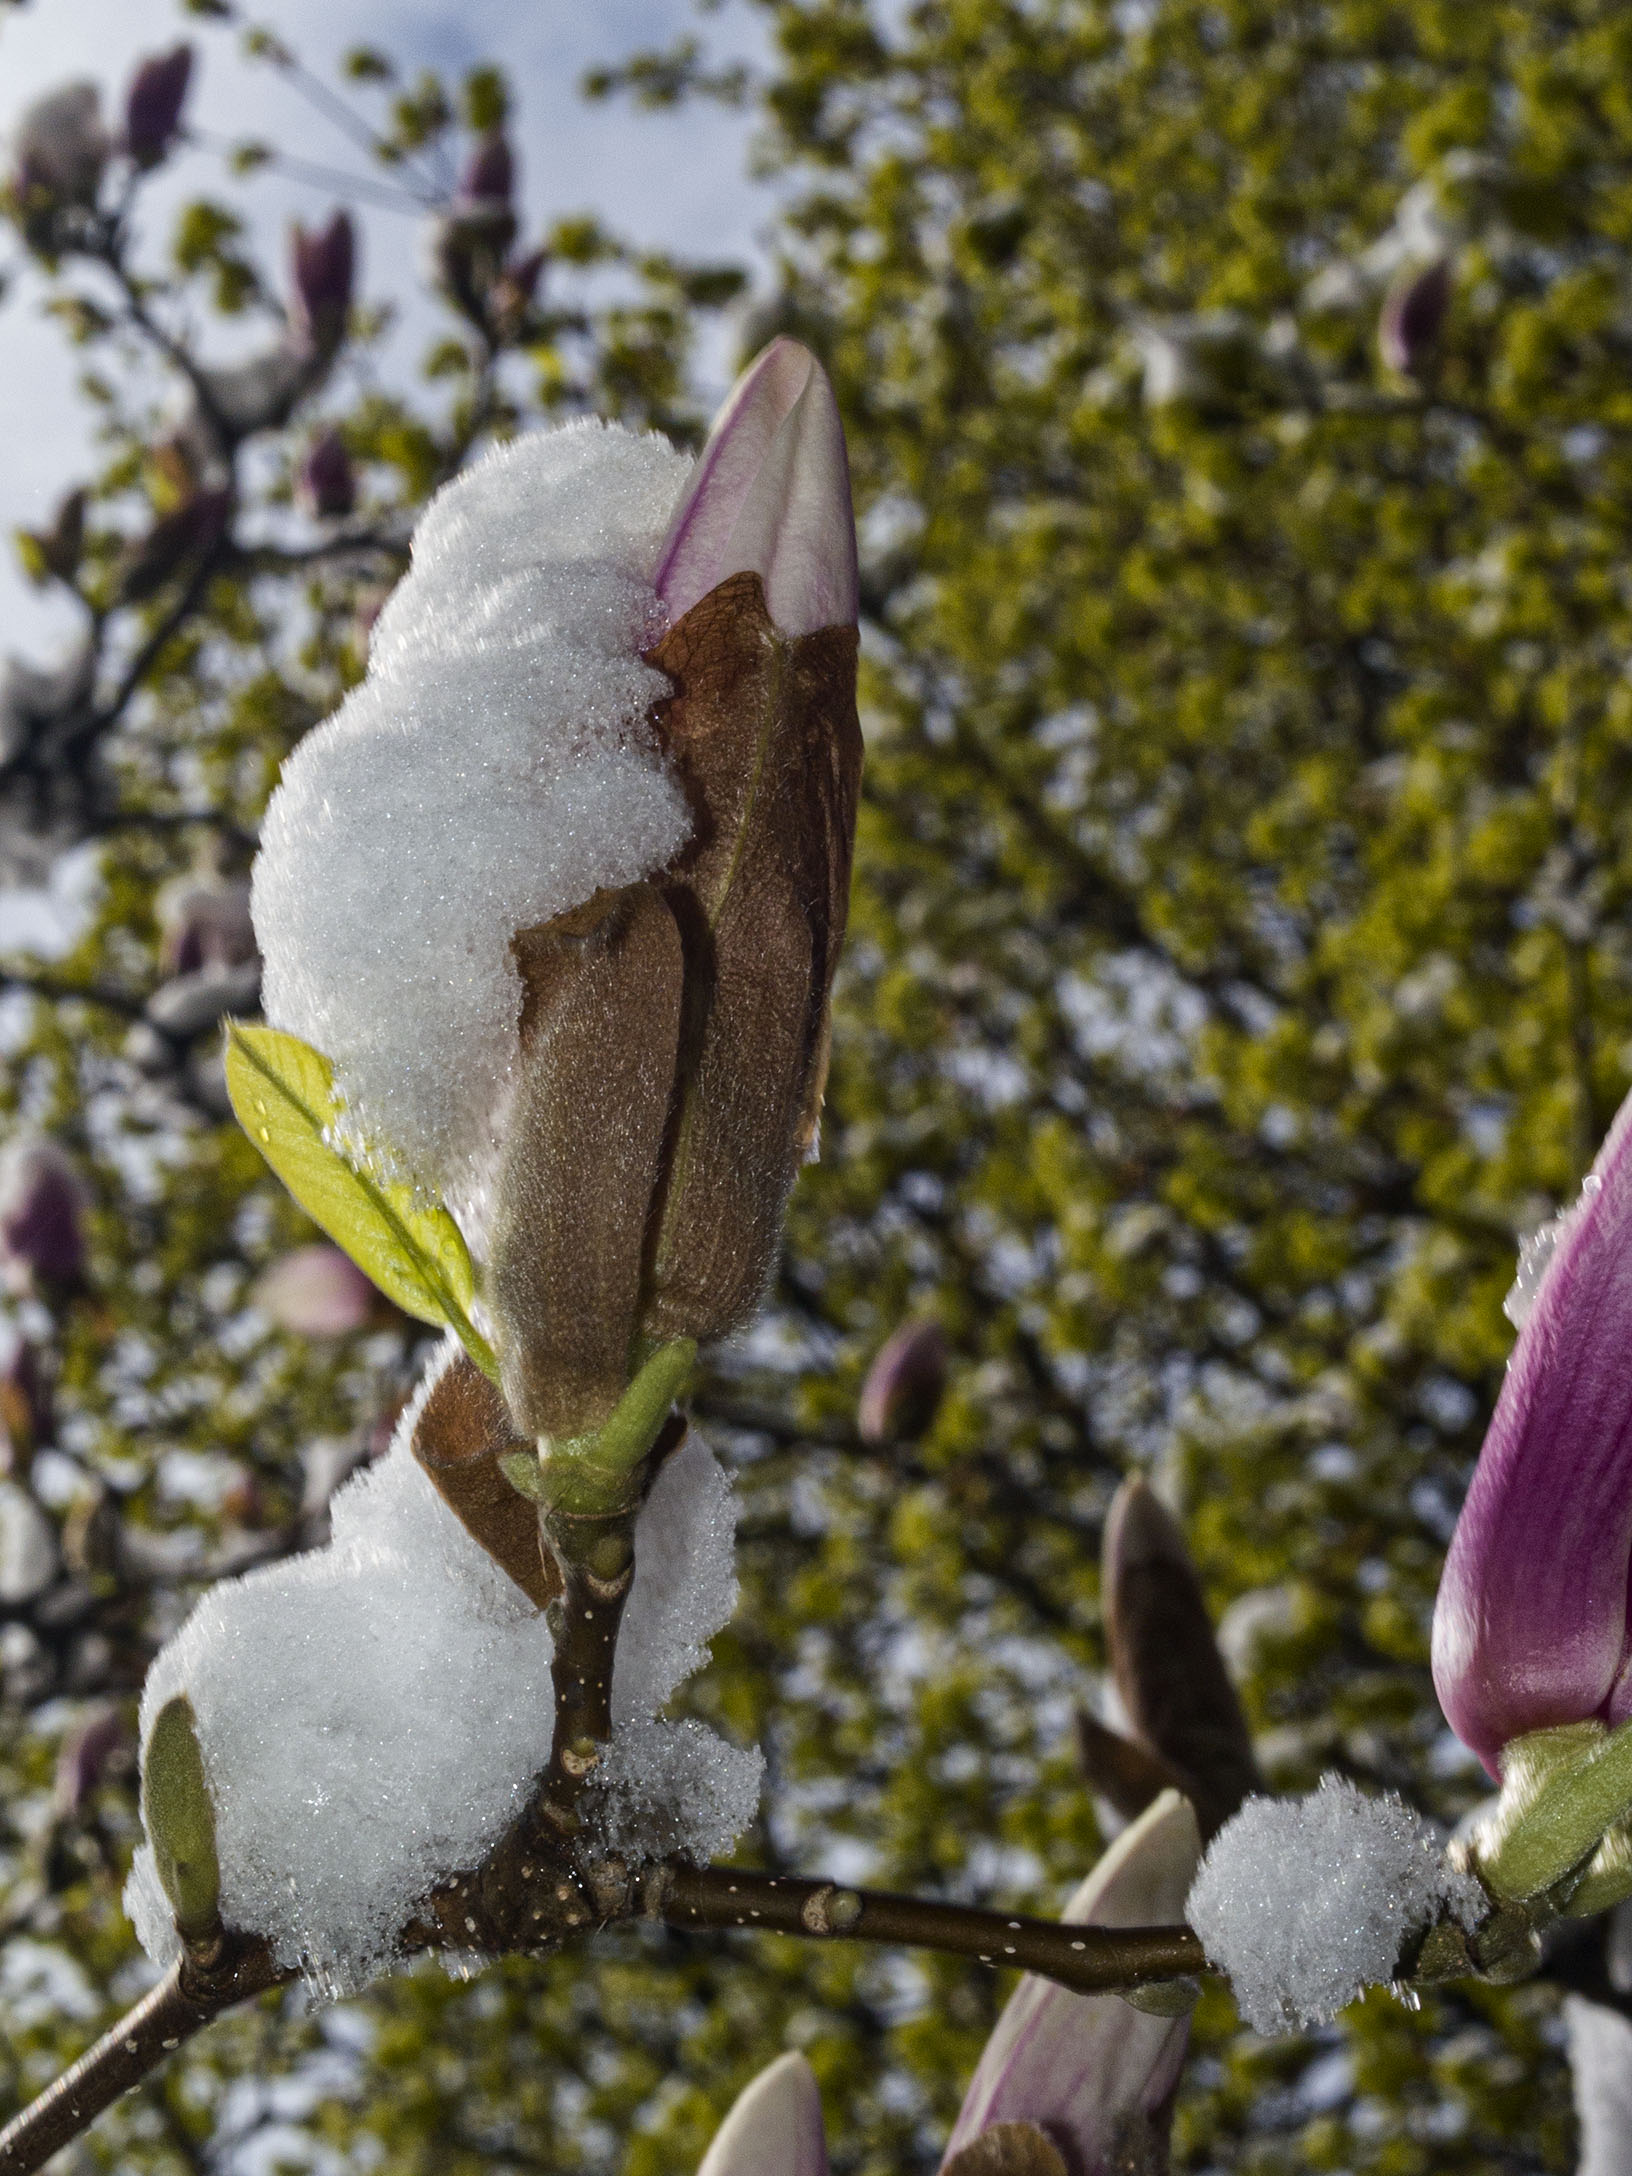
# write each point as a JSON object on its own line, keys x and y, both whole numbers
{"x": 1078, "y": 2065}
{"x": 774, "y": 2127}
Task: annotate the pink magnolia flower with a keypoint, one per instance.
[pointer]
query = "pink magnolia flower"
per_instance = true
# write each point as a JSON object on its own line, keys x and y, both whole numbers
{"x": 1413, "y": 316}
{"x": 1093, "y": 2074}
{"x": 1531, "y": 1623}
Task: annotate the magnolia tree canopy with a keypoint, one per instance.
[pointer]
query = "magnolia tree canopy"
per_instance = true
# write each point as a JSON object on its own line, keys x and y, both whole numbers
{"x": 472, "y": 1240}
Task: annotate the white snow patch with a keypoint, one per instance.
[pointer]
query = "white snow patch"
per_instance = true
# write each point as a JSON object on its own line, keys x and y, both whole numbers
{"x": 494, "y": 769}
{"x": 675, "y": 1787}
{"x": 1303, "y": 1902}
{"x": 372, "y": 1714}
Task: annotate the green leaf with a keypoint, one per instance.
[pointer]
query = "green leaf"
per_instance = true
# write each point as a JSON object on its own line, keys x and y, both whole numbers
{"x": 181, "y": 1820}
{"x": 283, "y": 1092}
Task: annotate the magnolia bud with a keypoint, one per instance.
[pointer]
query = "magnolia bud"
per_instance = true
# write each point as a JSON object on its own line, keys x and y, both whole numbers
{"x": 327, "y": 483}
{"x": 490, "y": 176}
{"x": 153, "y": 104}
{"x": 42, "y": 1213}
{"x": 323, "y": 265}
{"x": 904, "y": 1385}
{"x": 205, "y": 922}
{"x": 316, "y": 1291}
{"x": 61, "y": 148}
{"x": 85, "y": 1757}
{"x": 1413, "y": 316}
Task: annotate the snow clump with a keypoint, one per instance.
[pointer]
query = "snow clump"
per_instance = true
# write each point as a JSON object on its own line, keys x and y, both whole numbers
{"x": 494, "y": 769}
{"x": 1304, "y": 1902}
{"x": 372, "y": 1715}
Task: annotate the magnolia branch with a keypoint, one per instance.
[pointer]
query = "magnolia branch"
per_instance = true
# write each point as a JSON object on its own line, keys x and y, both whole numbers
{"x": 1088, "y": 1959}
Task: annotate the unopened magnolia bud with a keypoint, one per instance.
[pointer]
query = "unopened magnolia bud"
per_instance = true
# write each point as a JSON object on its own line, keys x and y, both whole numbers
{"x": 1413, "y": 317}
{"x": 85, "y": 1757}
{"x": 61, "y": 148}
{"x": 205, "y": 922}
{"x": 327, "y": 483}
{"x": 490, "y": 175}
{"x": 180, "y": 1820}
{"x": 1169, "y": 1673}
{"x": 904, "y": 1385}
{"x": 25, "y": 1404}
{"x": 42, "y": 1213}
{"x": 462, "y": 1435}
{"x": 316, "y": 1291}
{"x": 153, "y": 104}
{"x": 323, "y": 266}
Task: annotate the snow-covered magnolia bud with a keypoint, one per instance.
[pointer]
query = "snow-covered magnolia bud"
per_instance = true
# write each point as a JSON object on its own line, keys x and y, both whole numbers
{"x": 1413, "y": 316}
{"x": 42, "y": 1213}
{"x": 597, "y": 1024}
{"x": 1531, "y": 1622}
{"x": 60, "y": 148}
{"x": 1093, "y": 2074}
{"x": 326, "y": 484}
{"x": 904, "y": 1385}
{"x": 153, "y": 104}
{"x": 322, "y": 266}
{"x": 316, "y": 1291}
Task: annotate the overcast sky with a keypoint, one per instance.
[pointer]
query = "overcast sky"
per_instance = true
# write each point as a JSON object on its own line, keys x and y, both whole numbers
{"x": 671, "y": 180}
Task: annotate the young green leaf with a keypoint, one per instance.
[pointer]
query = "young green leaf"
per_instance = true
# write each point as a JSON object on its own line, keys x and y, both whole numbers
{"x": 283, "y": 1092}
{"x": 181, "y": 1820}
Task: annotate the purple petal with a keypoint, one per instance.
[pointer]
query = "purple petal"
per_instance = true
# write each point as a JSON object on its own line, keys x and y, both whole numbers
{"x": 774, "y": 2127}
{"x": 1530, "y": 1628}
{"x": 1078, "y": 2065}
{"x": 770, "y": 496}
{"x": 904, "y": 1385}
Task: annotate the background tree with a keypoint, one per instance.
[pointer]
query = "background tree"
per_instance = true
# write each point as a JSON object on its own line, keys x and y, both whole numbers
{"x": 1238, "y": 970}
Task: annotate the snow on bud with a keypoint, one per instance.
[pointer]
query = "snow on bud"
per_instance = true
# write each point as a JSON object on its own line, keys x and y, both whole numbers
{"x": 904, "y": 1385}
{"x": 1531, "y": 1622}
{"x": 42, "y": 1213}
{"x": 316, "y": 1291}
{"x": 1306, "y": 1902}
{"x": 603, "y": 870}
{"x": 322, "y": 267}
{"x": 770, "y": 496}
{"x": 153, "y": 104}
{"x": 1413, "y": 316}
{"x": 1091, "y": 2072}
{"x": 60, "y": 147}
{"x": 326, "y": 485}
{"x": 774, "y": 2127}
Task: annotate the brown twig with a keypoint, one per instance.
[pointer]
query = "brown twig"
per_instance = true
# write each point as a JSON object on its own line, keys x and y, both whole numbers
{"x": 1090, "y": 1960}
{"x": 184, "y": 2002}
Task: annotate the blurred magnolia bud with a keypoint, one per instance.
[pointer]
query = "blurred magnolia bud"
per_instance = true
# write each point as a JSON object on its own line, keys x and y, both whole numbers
{"x": 42, "y": 1213}
{"x": 86, "y": 1755}
{"x": 489, "y": 180}
{"x": 61, "y": 147}
{"x": 25, "y": 1403}
{"x": 1174, "y": 1688}
{"x": 323, "y": 266}
{"x": 1413, "y": 318}
{"x": 204, "y": 921}
{"x": 153, "y": 104}
{"x": 904, "y": 1385}
{"x": 176, "y": 540}
{"x": 774, "y": 2126}
{"x": 326, "y": 484}
{"x": 28, "y": 1546}
{"x": 55, "y": 553}
{"x": 316, "y": 1291}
